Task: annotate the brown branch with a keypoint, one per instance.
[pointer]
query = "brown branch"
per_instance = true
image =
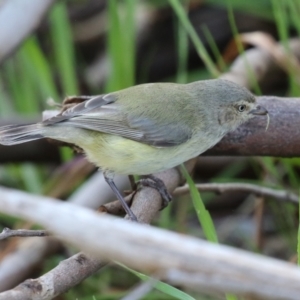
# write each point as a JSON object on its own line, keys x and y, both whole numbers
{"x": 114, "y": 207}
{"x": 59, "y": 280}
{"x": 260, "y": 64}
{"x": 245, "y": 187}
{"x": 7, "y": 233}
{"x": 282, "y": 139}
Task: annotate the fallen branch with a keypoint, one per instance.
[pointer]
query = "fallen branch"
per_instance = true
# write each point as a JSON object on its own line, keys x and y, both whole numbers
{"x": 115, "y": 207}
{"x": 179, "y": 259}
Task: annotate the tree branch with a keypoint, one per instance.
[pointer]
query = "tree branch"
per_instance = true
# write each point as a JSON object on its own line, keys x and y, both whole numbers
{"x": 282, "y": 138}
{"x": 245, "y": 187}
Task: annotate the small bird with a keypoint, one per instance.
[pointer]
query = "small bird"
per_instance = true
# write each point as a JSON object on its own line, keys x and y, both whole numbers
{"x": 146, "y": 128}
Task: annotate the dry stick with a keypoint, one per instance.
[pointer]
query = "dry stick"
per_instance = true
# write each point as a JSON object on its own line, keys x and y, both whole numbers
{"x": 259, "y": 212}
{"x": 6, "y": 233}
{"x": 245, "y": 187}
{"x": 179, "y": 259}
{"x": 115, "y": 207}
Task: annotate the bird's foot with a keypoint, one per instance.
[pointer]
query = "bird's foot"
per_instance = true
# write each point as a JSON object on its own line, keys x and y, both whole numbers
{"x": 158, "y": 184}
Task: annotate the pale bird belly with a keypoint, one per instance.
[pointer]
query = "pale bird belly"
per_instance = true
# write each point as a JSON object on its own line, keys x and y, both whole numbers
{"x": 125, "y": 156}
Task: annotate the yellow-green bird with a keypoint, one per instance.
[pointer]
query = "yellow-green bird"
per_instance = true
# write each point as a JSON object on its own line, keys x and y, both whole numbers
{"x": 145, "y": 128}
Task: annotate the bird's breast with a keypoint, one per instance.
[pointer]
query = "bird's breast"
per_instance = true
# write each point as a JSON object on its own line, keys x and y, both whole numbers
{"x": 124, "y": 156}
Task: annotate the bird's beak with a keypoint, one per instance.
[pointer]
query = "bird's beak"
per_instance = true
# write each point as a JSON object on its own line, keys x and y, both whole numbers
{"x": 259, "y": 110}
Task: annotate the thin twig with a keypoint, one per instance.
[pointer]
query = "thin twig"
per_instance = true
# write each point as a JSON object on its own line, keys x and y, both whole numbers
{"x": 259, "y": 213}
{"x": 6, "y": 233}
{"x": 114, "y": 207}
{"x": 282, "y": 195}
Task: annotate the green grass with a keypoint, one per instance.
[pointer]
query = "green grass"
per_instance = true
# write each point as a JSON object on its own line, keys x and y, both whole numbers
{"x": 38, "y": 67}
{"x": 63, "y": 49}
{"x": 202, "y": 52}
{"x": 182, "y": 48}
{"x": 282, "y": 13}
{"x": 202, "y": 214}
{"x": 298, "y": 236}
{"x": 214, "y": 48}
{"x": 121, "y": 44}
{"x": 241, "y": 50}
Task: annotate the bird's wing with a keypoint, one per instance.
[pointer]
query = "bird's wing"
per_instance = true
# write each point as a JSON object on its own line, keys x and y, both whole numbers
{"x": 104, "y": 114}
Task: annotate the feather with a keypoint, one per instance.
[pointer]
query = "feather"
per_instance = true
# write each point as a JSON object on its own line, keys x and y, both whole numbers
{"x": 16, "y": 134}
{"x": 104, "y": 114}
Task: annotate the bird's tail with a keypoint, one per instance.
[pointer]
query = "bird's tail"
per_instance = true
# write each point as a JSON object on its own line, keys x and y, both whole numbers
{"x": 17, "y": 134}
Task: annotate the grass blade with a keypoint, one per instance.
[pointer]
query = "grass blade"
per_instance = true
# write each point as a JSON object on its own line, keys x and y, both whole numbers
{"x": 161, "y": 286}
{"x": 63, "y": 48}
{"x": 182, "y": 16}
{"x": 203, "y": 215}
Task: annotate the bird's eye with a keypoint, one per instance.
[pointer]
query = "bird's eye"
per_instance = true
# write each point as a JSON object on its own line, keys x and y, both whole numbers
{"x": 241, "y": 108}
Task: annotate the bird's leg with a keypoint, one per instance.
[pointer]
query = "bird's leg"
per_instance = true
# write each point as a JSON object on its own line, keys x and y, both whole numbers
{"x": 158, "y": 184}
{"x": 109, "y": 179}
